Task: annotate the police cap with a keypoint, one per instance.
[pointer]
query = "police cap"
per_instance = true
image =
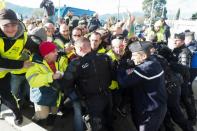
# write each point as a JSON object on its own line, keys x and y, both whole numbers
{"x": 189, "y": 34}
{"x": 180, "y": 36}
{"x": 140, "y": 46}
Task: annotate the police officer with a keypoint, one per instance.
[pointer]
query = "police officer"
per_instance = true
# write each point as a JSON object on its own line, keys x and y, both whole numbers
{"x": 92, "y": 75}
{"x": 182, "y": 64}
{"x": 173, "y": 86}
{"x": 191, "y": 44}
{"x": 13, "y": 42}
{"x": 149, "y": 98}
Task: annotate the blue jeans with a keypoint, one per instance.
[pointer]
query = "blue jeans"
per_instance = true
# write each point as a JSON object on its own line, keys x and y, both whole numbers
{"x": 78, "y": 122}
{"x": 17, "y": 81}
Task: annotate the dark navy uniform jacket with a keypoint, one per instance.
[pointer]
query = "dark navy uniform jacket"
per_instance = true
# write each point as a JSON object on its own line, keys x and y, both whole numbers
{"x": 92, "y": 74}
{"x": 147, "y": 84}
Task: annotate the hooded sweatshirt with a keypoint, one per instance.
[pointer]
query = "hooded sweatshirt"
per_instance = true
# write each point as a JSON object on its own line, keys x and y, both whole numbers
{"x": 9, "y": 42}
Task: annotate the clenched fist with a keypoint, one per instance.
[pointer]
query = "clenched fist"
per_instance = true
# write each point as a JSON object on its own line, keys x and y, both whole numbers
{"x": 57, "y": 75}
{"x": 27, "y": 64}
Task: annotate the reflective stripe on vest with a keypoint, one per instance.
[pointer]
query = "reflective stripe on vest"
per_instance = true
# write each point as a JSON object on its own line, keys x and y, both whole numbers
{"x": 46, "y": 67}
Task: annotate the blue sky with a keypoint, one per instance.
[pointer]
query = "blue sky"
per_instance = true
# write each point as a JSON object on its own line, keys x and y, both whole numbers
{"x": 110, "y": 6}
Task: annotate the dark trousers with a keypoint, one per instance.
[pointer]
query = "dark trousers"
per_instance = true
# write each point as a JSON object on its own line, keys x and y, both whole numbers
{"x": 100, "y": 111}
{"x": 193, "y": 74}
{"x": 150, "y": 121}
{"x": 6, "y": 95}
{"x": 175, "y": 112}
{"x": 188, "y": 101}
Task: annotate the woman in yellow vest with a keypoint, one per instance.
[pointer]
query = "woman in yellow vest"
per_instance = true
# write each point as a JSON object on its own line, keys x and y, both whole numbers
{"x": 44, "y": 89}
{"x": 13, "y": 41}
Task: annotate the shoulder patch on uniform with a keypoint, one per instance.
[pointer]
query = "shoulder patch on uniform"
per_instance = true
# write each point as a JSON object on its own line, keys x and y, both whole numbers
{"x": 85, "y": 65}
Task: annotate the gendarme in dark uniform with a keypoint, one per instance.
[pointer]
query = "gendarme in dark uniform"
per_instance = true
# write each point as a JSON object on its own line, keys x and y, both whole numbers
{"x": 148, "y": 92}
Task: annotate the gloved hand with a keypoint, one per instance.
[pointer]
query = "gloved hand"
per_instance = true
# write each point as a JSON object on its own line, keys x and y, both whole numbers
{"x": 25, "y": 55}
{"x": 37, "y": 58}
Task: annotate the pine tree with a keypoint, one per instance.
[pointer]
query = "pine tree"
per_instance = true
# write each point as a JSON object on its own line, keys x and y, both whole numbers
{"x": 194, "y": 16}
{"x": 178, "y": 14}
{"x": 157, "y": 8}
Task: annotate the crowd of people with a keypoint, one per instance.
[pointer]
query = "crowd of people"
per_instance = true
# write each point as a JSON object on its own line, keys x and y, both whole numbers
{"x": 102, "y": 70}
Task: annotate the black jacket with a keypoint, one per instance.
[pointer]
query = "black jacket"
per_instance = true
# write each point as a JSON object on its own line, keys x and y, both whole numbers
{"x": 183, "y": 55}
{"x": 92, "y": 74}
{"x": 182, "y": 61}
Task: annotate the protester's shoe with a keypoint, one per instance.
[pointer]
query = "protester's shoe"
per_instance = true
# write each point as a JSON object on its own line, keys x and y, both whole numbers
{"x": 18, "y": 118}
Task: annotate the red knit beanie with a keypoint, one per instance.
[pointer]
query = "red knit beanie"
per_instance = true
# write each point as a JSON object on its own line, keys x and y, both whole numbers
{"x": 46, "y": 47}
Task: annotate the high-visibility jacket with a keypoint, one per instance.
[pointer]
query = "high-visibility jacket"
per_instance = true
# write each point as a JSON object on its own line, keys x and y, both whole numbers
{"x": 159, "y": 34}
{"x": 60, "y": 44}
{"x": 114, "y": 84}
{"x": 101, "y": 50}
{"x": 39, "y": 77}
{"x": 14, "y": 53}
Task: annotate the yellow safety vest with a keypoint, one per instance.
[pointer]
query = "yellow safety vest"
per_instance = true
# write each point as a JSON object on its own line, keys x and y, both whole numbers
{"x": 59, "y": 43}
{"x": 114, "y": 84}
{"x": 102, "y": 50}
{"x": 111, "y": 54}
{"x": 40, "y": 75}
{"x": 160, "y": 35}
{"x": 13, "y": 54}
